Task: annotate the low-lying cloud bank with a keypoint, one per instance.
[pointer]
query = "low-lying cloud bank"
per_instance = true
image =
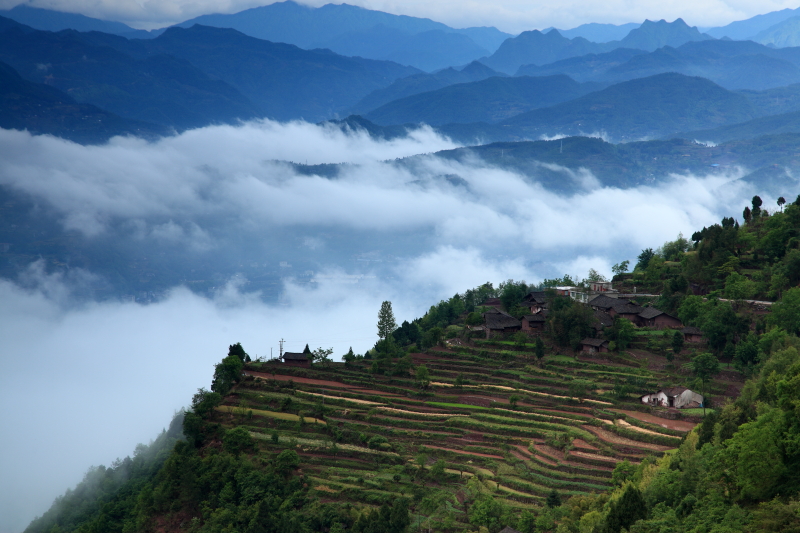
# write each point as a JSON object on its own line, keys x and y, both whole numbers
{"x": 84, "y": 381}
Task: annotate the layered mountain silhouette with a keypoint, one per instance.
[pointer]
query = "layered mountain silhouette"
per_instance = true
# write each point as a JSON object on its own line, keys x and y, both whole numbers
{"x": 192, "y": 77}
{"x": 732, "y": 64}
{"x": 582, "y": 68}
{"x": 355, "y": 31}
{"x": 537, "y": 48}
{"x": 785, "y": 33}
{"x": 491, "y": 100}
{"x": 599, "y": 33}
{"x": 423, "y": 82}
{"x": 653, "y": 107}
{"x": 748, "y": 28}
{"x": 161, "y": 89}
{"x": 50, "y": 20}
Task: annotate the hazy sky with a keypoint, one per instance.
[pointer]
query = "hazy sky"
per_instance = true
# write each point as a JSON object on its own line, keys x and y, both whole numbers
{"x": 90, "y": 380}
{"x": 512, "y": 16}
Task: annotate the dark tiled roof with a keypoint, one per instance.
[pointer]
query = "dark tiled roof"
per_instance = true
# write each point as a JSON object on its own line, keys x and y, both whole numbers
{"x": 691, "y": 330}
{"x": 650, "y": 312}
{"x": 605, "y": 319}
{"x": 501, "y": 321}
{"x": 535, "y": 296}
{"x": 294, "y": 356}
{"x": 534, "y": 318}
{"x": 509, "y": 529}
{"x": 606, "y": 302}
{"x": 628, "y": 309}
{"x": 674, "y": 391}
{"x": 492, "y": 301}
{"x": 593, "y": 342}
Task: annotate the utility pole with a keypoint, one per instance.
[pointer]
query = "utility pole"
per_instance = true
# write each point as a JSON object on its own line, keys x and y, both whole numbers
{"x": 281, "y": 343}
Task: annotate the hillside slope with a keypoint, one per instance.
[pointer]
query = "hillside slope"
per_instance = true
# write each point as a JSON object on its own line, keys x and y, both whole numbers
{"x": 446, "y": 428}
{"x": 41, "y": 109}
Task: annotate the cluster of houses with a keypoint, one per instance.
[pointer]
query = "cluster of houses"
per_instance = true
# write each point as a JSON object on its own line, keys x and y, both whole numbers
{"x": 607, "y": 304}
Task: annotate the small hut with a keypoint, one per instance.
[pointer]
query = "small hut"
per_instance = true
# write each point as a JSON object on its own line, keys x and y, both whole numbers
{"x": 590, "y": 345}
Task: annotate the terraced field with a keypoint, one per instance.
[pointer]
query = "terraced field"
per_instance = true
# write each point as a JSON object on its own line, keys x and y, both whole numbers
{"x": 511, "y": 428}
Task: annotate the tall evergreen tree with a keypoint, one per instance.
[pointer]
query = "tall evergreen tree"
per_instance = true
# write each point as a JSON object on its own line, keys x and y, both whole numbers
{"x": 386, "y": 322}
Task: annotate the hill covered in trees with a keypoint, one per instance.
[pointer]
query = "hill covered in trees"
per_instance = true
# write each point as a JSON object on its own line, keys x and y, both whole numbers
{"x": 441, "y": 428}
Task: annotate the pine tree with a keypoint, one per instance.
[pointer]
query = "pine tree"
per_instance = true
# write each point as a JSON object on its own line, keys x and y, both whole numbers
{"x": 553, "y": 499}
{"x": 386, "y": 322}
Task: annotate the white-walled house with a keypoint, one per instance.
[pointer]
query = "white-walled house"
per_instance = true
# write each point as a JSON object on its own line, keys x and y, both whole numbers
{"x": 677, "y": 397}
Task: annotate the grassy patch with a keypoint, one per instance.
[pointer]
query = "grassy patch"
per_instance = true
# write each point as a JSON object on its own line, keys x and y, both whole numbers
{"x": 696, "y": 411}
{"x": 272, "y": 414}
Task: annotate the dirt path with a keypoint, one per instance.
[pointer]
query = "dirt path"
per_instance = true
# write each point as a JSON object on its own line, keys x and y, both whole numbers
{"x": 616, "y": 439}
{"x": 594, "y": 456}
{"x": 557, "y": 456}
{"x": 580, "y": 443}
{"x": 436, "y": 415}
{"x": 679, "y": 425}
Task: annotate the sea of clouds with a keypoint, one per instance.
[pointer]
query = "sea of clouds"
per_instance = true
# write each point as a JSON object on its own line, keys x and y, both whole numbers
{"x": 82, "y": 381}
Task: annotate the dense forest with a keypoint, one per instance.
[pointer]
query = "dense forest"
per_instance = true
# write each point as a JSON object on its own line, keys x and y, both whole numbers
{"x": 737, "y": 470}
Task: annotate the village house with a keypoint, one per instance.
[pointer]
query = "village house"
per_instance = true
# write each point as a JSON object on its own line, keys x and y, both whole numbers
{"x": 601, "y": 286}
{"x": 590, "y": 345}
{"x": 535, "y": 301}
{"x": 603, "y": 320}
{"x": 296, "y": 359}
{"x": 655, "y": 318}
{"x": 629, "y": 311}
{"x": 533, "y": 322}
{"x": 499, "y": 322}
{"x": 692, "y": 334}
{"x": 675, "y": 397}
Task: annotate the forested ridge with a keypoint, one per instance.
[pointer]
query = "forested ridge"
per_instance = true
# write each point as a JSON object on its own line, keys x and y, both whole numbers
{"x": 435, "y": 428}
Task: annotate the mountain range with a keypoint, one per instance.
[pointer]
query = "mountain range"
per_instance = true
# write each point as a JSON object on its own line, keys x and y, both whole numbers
{"x": 355, "y": 31}
{"x": 491, "y": 100}
{"x": 193, "y": 77}
{"x": 645, "y": 85}
{"x": 537, "y": 48}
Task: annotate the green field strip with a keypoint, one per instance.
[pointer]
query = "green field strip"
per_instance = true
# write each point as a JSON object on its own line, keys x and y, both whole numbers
{"x": 274, "y": 414}
{"x": 565, "y": 472}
